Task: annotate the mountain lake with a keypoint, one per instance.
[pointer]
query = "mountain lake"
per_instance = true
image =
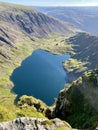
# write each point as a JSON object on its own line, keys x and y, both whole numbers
{"x": 40, "y": 75}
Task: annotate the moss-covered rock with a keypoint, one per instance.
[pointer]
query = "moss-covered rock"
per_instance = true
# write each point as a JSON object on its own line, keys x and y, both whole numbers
{"x": 29, "y": 101}
{"x": 79, "y": 104}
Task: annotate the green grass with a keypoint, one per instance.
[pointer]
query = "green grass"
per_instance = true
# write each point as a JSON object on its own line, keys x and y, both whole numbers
{"x": 65, "y": 125}
{"x": 55, "y": 44}
{"x": 9, "y": 111}
{"x": 74, "y": 64}
{"x": 47, "y": 122}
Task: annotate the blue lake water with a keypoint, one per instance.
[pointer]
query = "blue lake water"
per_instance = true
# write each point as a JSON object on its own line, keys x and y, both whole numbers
{"x": 40, "y": 75}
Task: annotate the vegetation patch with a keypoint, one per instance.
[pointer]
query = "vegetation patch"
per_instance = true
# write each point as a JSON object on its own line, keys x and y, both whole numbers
{"x": 47, "y": 122}
{"x": 75, "y": 65}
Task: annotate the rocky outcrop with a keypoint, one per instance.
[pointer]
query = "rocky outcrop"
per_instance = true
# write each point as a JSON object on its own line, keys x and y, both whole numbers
{"x": 34, "y": 124}
{"x": 29, "y": 101}
{"x": 78, "y": 104}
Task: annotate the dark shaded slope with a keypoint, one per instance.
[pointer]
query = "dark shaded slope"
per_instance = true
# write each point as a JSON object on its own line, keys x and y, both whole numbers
{"x": 86, "y": 48}
{"x": 84, "y": 56}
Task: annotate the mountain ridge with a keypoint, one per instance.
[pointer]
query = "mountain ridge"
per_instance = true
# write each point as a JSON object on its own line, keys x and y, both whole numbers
{"x": 32, "y": 21}
{"x": 84, "y": 18}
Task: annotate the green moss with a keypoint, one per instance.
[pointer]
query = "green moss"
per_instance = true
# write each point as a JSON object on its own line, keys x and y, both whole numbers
{"x": 29, "y": 112}
{"x": 82, "y": 95}
{"x": 47, "y": 122}
{"x": 30, "y": 101}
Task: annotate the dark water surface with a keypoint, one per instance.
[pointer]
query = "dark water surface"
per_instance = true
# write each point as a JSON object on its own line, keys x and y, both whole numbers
{"x": 40, "y": 75}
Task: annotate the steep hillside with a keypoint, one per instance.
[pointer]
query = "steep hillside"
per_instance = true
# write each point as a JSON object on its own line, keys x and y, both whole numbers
{"x": 31, "y": 21}
{"x": 85, "y": 48}
{"x": 78, "y": 104}
{"x": 85, "y": 18}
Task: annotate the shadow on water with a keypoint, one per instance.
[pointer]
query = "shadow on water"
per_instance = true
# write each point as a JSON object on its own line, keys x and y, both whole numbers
{"x": 40, "y": 75}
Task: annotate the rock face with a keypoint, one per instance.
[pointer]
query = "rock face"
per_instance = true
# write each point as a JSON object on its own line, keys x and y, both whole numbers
{"x": 79, "y": 103}
{"x": 28, "y": 21}
{"x": 34, "y": 124}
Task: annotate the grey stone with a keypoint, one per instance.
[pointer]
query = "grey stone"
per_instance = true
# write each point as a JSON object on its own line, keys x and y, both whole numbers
{"x": 31, "y": 124}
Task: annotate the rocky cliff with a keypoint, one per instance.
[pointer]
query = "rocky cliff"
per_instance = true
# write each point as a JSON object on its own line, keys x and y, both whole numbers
{"x": 35, "y": 124}
{"x": 84, "y": 18}
{"x": 16, "y": 18}
{"x": 78, "y": 103}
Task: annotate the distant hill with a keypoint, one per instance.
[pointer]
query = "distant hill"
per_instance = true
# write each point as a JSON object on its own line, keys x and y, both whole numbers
{"x": 85, "y": 18}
